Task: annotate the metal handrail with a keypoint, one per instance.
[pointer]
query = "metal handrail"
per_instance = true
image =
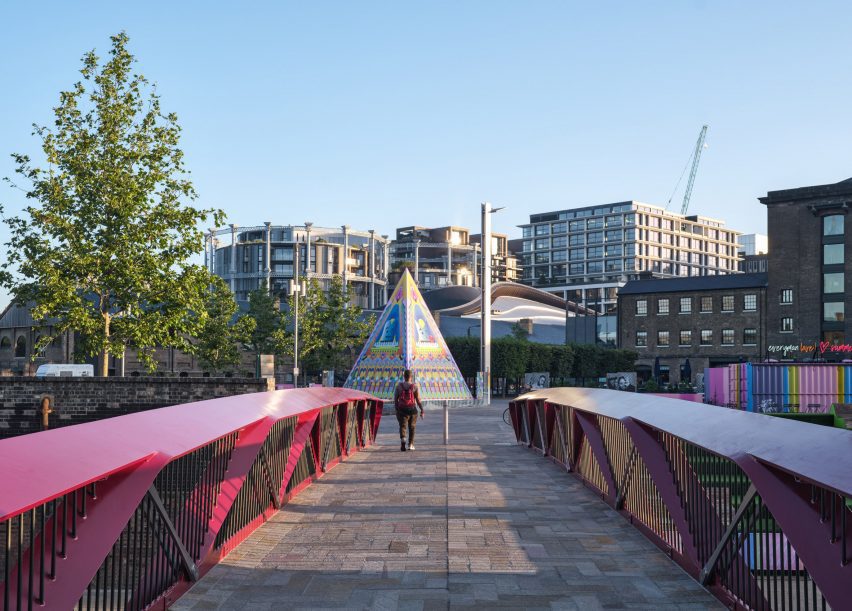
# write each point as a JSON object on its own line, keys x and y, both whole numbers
{"x": 132, "y": 509}
{"x": 758, "y": 509}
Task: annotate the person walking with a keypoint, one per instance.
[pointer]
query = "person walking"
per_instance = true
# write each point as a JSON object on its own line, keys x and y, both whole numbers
{"x": 406, "y": 399}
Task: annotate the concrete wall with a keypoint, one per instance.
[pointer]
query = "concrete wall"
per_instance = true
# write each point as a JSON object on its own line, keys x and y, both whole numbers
{"x": 78, "y": 400}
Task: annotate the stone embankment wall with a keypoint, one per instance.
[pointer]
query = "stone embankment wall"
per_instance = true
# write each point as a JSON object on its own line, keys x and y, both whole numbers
{"x": 78, "y": 400}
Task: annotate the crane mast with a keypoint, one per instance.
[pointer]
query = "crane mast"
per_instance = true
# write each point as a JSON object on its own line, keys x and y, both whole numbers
{"x": 696, "y": 157}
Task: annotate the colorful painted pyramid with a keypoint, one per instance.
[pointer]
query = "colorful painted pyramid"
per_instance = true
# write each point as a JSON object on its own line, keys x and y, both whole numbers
{"x": 406, "y": 337}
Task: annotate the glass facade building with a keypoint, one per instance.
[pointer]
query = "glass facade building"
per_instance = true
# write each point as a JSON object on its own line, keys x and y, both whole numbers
{"x": 585, "y": 254}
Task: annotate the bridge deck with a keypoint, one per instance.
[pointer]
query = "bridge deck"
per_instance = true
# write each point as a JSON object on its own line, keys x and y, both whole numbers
{"x": 481, "y": 523}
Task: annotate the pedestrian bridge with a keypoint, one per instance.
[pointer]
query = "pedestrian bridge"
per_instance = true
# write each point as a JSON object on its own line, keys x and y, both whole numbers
{"x": 590, "y": 499}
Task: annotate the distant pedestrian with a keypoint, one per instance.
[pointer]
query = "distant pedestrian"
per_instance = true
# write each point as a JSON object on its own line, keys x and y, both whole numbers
{"x": 406, "y": 399}
{"x": 45, "y": 413}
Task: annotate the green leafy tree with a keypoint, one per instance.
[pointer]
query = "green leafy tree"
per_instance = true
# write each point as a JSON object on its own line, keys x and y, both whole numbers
{"x": 538, "y": 357}
{"x": 219, "y": 340}
{"x": 586, "y": 362}
{"x": 104, "y": 246}
{"x": 509, "y": 357}
{"x": 465, "y": 351}
{"x": 561, "y": 362}
{"x": 518, "y": 332}
{"x": 330, "y": 328}
{"x": 267, "y": 333}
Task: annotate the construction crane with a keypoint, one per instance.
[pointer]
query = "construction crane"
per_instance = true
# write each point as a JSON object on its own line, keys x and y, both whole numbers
{"x": 695, "y": 157}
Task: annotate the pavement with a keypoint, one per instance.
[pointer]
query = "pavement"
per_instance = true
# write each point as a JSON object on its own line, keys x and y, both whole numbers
{"x": 479, "y": 524}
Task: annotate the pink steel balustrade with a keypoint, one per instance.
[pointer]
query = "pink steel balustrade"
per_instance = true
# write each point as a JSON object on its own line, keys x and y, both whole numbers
{"x": 756, "y": 508}
{"x": 127, "y": 512}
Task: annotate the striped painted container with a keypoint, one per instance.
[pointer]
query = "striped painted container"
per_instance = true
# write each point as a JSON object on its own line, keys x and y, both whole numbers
{"x": 779, "y": 387}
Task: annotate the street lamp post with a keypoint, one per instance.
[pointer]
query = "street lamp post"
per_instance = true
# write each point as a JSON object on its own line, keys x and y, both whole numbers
{"x": 485, "y": 332}
{"x": 295, "y": 288}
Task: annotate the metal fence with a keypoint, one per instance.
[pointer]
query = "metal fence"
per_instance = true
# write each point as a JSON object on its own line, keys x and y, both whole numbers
{"x": 128, "y": 512}
{"x": 756, "y": 508}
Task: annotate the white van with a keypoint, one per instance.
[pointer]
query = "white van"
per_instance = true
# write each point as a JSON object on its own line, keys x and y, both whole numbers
{"x": 65, "y": 371}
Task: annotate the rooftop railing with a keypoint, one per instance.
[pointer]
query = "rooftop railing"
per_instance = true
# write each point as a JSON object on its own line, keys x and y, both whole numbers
{"x": 756, "y": 508}
{"x": 127, "y": 512}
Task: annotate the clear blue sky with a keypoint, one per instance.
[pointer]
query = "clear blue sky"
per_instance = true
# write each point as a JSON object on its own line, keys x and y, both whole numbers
{"x": 385, "y": 114}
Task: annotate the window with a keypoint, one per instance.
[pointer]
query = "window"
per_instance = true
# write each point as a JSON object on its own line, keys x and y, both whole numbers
{"x": 832, "y": 283}
{"x": 750, "y": 302}
{"x": 832, "y": 225}
{"x": 685, "y": 338}
{"x": 594, "y": 252}
{"x": 630, "y": 234}
{"x": 613, "y": 221}
{"x": 528, "y": 245}
{"x": 706, "y": 304}
{"x": 613, "y": 235}
{"x": 641, "y": 339}
{"x": 542, "y": 229}
{"x": 663, "y": 339}
{"x": 558, "y": 228}
{"x": 542, "y": 244}
{"x": 577, "y": 240}
{"x": 575, "y": 269}
{"x": 576, "y": 254}
{"x": 641, "y": 307}
{"x": 749, "y": 337}
{"x": 558, "y": 255}
{"x": 786, "y": 325}
{"x": 727, "y": 337}
{"x": 613, "y": 250}
{"x": 727, "y": 303}
{"x": 542, "y": 257}
{"x": 833, "y": 312}
{"x": 832, "y": 254}
{"x": 787, "y": 296}
{"x": 685, "y": 305}
{"x": 613, "y": 265}
{"x": 706, "y": 337}
{"x": 595, "y": 237}
{"x": 594, "y": 224}
{"x": 576, "y": 225}
{"x": 559, "y": 242}
{"x": 595, "y": 267}
{"x": 662, "y": 306}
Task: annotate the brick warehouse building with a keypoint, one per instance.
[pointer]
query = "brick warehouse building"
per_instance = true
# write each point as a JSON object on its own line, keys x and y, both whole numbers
{"x": 707, "y": 320}
{"x": 810, "y": 240}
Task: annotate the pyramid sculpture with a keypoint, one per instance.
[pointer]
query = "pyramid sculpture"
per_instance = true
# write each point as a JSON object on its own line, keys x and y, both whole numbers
{"x": 406, "y": 337}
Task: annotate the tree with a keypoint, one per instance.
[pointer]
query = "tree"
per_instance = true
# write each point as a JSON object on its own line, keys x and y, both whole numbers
{"x": 104, "y": 247}
{"x": 329, "y": 326}
{"x": 218, "y": 345}
{"x": 519, "y": 332}
{"x": 465, "y": 351}
{"x": 561, "y": 362}
{"x": 267, "y": 333}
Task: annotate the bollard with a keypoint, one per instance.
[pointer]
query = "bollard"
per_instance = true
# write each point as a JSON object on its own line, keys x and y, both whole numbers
{"x": 446, "y": 422}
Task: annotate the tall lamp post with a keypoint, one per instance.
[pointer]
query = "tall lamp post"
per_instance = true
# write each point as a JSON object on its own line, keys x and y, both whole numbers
{"x": 485, "y": 333}
{"x": 295, "y": 288}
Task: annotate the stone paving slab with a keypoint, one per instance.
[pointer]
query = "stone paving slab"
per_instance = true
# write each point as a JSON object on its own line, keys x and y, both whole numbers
{"x": 481, "y": 523}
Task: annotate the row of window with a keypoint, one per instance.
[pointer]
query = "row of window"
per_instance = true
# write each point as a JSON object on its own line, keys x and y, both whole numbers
{"x": 749, "y": 338}
{"x": 617, "y": 220}
{"x": 705, "y": 304}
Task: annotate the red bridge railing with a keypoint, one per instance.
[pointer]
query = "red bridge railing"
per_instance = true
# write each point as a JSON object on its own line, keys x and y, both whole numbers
{"x": 129, "y": 511}
{"x": 756, "y": 508}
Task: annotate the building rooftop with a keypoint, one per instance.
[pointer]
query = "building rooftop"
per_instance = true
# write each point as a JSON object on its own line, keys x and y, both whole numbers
{"x": 693, "y": 283}
{"x": 844, "y": 187}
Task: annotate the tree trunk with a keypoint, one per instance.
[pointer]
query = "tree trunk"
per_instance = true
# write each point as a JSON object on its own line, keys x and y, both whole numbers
{"x": 105, "y": 353}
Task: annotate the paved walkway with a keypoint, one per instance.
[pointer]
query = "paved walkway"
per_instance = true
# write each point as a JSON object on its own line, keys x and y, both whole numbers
{"x": 480, "y": 524}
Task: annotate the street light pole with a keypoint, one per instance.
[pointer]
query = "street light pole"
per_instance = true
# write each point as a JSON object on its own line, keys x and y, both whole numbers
{"x": 295, "y": 289}
{"x": 485, "y": 332}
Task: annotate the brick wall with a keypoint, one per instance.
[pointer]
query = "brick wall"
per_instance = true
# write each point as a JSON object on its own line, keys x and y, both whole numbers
{"x": 78, "y": 400}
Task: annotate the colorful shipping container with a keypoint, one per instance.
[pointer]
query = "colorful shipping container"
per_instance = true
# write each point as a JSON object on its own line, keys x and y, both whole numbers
{"x": 779, "y": 387}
